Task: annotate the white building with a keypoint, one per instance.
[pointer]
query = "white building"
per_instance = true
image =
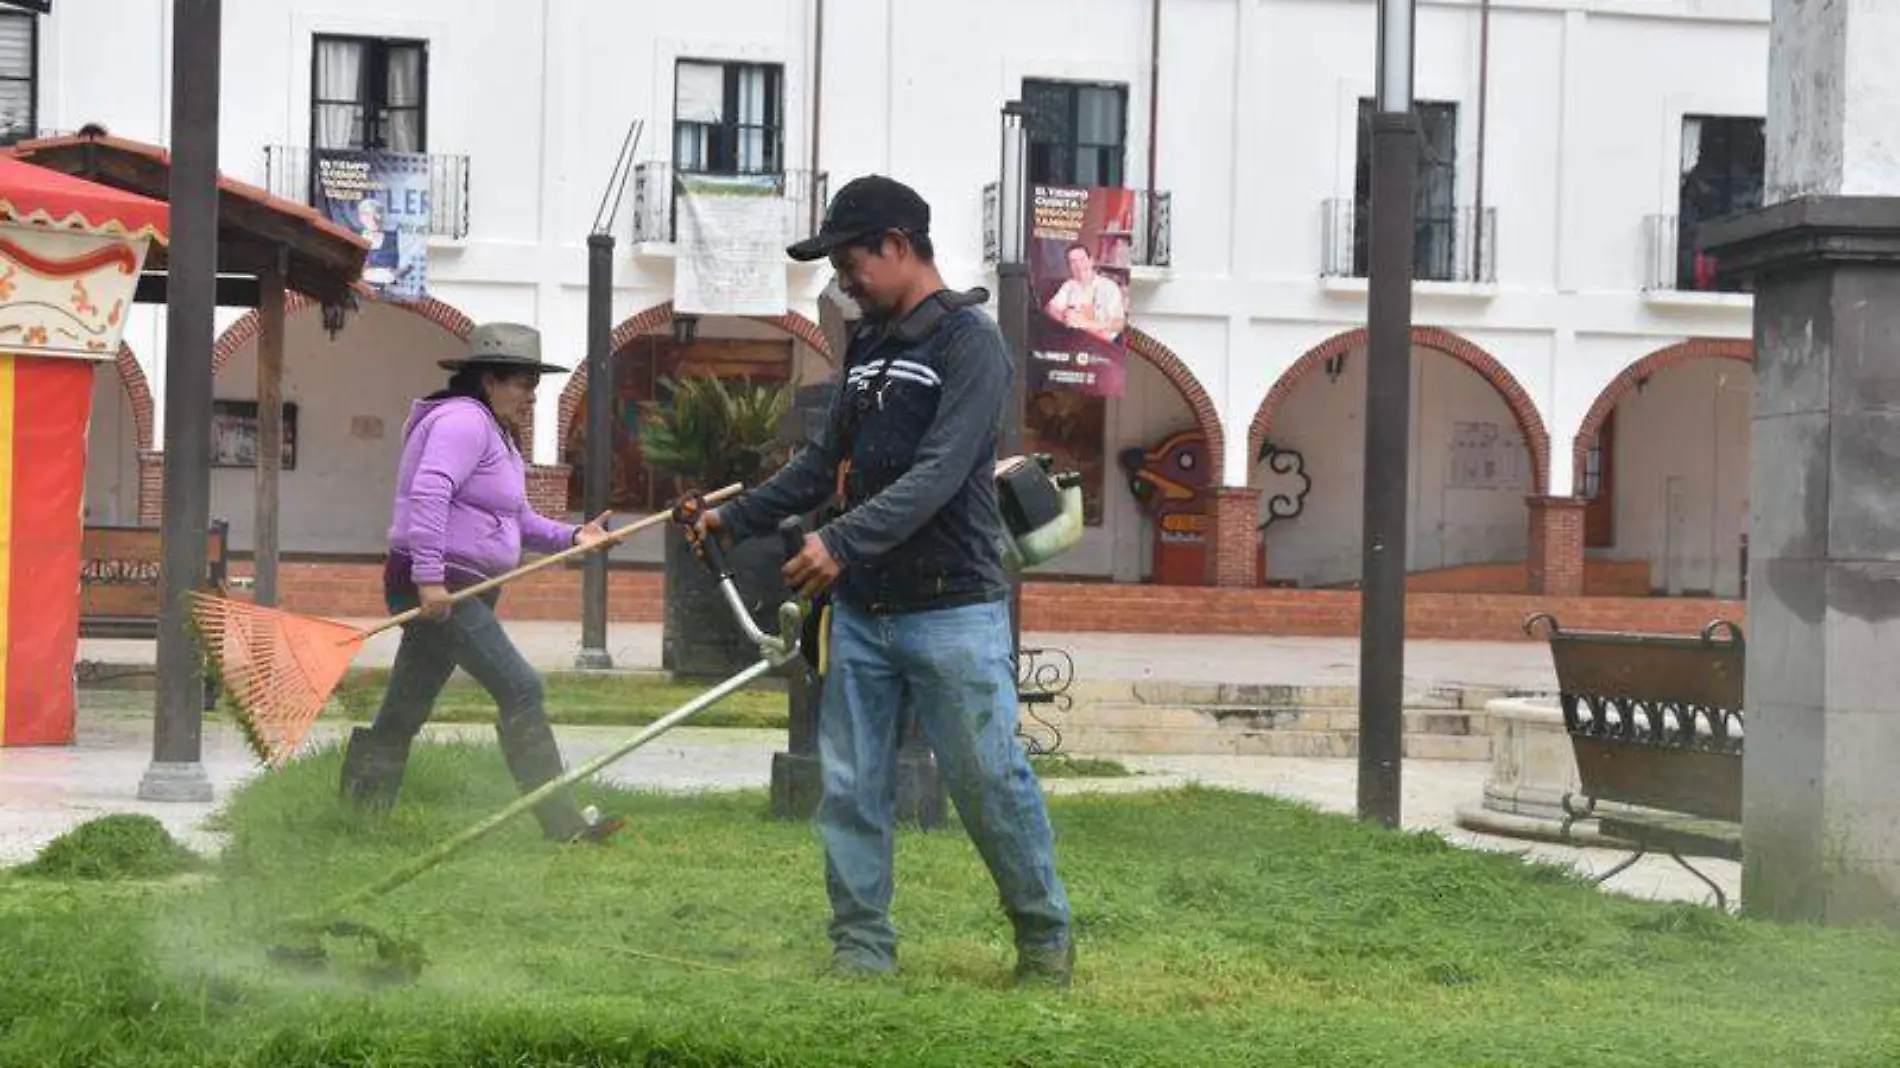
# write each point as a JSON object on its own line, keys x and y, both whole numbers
{"x": 1567, "y": 347}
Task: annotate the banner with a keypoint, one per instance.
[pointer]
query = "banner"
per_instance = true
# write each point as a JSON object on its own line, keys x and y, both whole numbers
{"x": 1081, "y": 242}
{"x": 384, "y": 198}
{"x": 731, "y": 231}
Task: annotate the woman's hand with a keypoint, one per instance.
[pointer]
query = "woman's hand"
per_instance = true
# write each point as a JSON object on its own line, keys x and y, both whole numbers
{"x": 595, "y": 532}
{"x": 436, "y": 605}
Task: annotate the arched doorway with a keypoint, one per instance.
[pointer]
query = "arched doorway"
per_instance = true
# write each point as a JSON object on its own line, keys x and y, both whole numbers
{"x": 346, "y": 400}
{"x": 120, "y": 431}
{"x": 1479, "y": 449}
{"x": 647, "y": 350}
{"x": 1163, "y": 409}
{"x": 1663, "y": 460}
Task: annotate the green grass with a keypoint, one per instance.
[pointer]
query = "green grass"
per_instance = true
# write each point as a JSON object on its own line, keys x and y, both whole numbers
{"x": 119, "y": 846}
{"x": 1065, "y": 766}
{"x": 579, "y": 699}
{"x": 1214, "y": 929}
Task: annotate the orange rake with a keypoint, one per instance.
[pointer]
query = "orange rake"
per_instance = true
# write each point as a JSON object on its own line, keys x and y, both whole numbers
{"x": 276, "y": 669}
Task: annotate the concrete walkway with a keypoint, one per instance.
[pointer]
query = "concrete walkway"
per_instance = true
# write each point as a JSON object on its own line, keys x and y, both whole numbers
{"x": 45, "y": 792}
{"x": 1176, "y": 658}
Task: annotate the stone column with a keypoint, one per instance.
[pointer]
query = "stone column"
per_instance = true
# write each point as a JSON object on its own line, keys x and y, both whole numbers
{"x": 1556, "y": 545}
{"x": 1823, "y": 684}
{"x": 1235, "y": 530}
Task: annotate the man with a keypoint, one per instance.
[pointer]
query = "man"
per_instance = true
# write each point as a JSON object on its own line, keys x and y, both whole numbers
{"x": 1089, "y": 301}
{"x": 920, "y": 616}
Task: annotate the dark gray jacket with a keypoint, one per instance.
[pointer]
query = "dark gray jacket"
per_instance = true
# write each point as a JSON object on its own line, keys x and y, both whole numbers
{"x": 917, "y": 415}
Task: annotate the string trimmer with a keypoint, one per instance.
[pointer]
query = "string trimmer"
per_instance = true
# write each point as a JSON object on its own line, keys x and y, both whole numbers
{"x": 301, "y": 940}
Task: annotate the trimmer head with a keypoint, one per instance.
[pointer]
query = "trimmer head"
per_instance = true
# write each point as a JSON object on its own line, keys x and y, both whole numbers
{"x": 396, "y": 960}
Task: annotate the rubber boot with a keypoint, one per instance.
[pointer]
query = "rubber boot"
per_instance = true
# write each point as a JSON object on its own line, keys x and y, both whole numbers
{"x": 372, "y": 769}
{"x": 534, "y": 758}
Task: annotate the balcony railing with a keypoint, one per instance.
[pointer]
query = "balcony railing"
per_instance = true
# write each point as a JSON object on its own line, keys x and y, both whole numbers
{"x": 1154, "y": 228}
{"x": 1442, "y": 249}
{"x": 803, "y": 195}
{"x": 290, "y": 173}
{"x": 1672, "y": 264}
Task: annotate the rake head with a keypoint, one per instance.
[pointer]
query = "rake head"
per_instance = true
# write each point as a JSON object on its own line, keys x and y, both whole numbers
{"x": 274, "y": 669}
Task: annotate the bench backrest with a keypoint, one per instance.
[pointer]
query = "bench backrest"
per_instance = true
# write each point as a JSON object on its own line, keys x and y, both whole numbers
{"x": 1655, "y": 720}
{"x": 120, "y": 568}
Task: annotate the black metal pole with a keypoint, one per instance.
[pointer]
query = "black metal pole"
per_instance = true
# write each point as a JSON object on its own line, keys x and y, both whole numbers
{"x": 600, "y": 421}
{"x": 1012, "y": 315}
{"x": 176, "y": 773}
{"x": 1388, "y": 417}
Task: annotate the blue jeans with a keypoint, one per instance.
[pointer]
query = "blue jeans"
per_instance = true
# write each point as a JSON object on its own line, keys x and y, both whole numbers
{"x": 952, "y": 669}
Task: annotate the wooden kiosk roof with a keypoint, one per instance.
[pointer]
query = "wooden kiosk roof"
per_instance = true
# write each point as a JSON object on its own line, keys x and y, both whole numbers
{"x": 325, "y": 260}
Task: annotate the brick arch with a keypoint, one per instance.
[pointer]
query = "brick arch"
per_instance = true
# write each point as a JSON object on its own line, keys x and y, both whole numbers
{"x": 1523, "y": 408}
{"x": 138, "y": 390}
{"x": 659, "y": 317}
{"x": 251, "y": 323}
{"x": 1702, "y": 348}
{"x": 1163, "y": 359}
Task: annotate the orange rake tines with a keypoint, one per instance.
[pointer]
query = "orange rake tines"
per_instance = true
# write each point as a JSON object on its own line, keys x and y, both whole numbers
{"x": 276, "y": 669}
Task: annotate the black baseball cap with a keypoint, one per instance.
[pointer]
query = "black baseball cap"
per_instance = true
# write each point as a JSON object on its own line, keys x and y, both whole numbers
{"x": 870, "y": 205}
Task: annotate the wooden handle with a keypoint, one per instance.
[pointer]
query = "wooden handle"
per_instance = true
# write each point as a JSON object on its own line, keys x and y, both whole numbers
{"x": 613, "y": 538}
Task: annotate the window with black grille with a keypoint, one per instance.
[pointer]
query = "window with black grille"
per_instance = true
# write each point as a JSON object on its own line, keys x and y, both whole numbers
{"x": 369, "y": 93}
{"x": 19, "y": 79}
{"x": 728, "y": 118}
{"x": 1077, "y": 133}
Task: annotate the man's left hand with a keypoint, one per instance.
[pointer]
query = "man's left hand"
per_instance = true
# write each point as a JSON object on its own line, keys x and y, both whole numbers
{"x": 813, "y": 570}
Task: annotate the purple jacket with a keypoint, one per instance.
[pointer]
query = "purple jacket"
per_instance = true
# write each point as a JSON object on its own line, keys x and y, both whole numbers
{"x": 462, "y": 496}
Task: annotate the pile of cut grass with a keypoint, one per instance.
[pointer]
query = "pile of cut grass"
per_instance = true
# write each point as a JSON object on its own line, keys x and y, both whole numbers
{"x": 1214, "y": 929}
{"x": 119, "y": 846}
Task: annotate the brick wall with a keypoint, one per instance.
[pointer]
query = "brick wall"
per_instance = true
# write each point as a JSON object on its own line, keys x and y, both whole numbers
{"x": 151, "y": 488}
{"x": 355, "y": 590}
{"x": 1556, "y": 545}
{"x": 1236, "y": 555}
{"x": 547, "y": 489}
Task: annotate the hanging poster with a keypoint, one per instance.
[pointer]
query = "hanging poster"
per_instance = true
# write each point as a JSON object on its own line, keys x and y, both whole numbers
{"x": 732, "y": 233}
{"x": 384, "y": 198}
{"x": 1080, "y": 246}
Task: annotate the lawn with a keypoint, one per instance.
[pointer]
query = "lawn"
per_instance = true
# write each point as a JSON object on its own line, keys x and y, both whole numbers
{"x": 1214, "y": 929}
{"x": 579, "y": 698}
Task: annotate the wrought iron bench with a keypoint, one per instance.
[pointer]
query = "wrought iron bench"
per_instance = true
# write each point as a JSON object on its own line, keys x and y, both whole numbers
{"x": 119, "y": 591}
{"x": 1655, "y": 722}
{"x": 1043, "y": 678}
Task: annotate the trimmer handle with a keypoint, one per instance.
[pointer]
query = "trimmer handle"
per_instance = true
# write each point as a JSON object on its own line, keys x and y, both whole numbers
{"x": 686, "y": 513}
{"x": 791, "y": 536}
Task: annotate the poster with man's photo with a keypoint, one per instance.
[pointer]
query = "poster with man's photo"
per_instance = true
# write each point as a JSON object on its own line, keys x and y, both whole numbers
{"x": 384, "y": 198}
{"x": 1081, "y": 241}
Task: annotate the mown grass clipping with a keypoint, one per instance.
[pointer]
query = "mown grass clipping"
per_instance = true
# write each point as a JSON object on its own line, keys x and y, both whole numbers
{"x": 1214, "y": 928}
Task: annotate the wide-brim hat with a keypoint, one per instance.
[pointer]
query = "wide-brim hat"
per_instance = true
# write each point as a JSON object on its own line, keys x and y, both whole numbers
{"x": 503, "y": 347}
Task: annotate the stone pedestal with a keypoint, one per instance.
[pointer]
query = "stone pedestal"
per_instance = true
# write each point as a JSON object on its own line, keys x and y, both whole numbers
{"x": 1532, "y": 768}
{"x": 1821, "y": 799}
{"x": 1556, "y": 546}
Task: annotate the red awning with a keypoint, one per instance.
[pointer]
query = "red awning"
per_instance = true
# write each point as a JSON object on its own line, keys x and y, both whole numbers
{"x": 39, "y": 196}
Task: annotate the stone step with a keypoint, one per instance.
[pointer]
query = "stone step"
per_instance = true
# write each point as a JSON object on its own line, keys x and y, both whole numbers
{"x": 1168, "y": 718}
{"x": 1256, "y": 696}
{"x": 1085, "y": 738}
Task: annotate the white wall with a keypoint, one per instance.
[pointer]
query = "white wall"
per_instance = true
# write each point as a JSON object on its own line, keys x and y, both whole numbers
{"x": 1255, "y": 132}
{"x": 1682, "y": 456}
{"x": 112, "y": 452}
{"x": 1453, "y": 520}
{"x": 353, "y": 396}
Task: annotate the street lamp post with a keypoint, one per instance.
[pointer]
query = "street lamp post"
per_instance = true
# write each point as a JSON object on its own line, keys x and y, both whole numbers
{"x": 1388, "y": 411}
{"x": 1012, "y": 302}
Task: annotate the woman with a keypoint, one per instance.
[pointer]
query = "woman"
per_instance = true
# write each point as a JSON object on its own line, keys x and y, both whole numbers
{"x": 462, "y": 516}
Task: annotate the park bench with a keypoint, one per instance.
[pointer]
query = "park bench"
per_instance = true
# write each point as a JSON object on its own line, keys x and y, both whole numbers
{"x": 1655, "y": 722}
{"x": 119, "y": 572}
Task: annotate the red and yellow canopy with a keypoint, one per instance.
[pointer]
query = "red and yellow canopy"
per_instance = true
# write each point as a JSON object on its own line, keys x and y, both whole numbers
{"x": 70, "y": 255}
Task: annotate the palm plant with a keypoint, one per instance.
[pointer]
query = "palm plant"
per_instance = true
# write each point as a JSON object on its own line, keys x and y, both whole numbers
{"x": 714, "y": 431}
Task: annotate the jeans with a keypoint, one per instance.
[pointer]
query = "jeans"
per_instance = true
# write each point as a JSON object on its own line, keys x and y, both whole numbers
{"x": 952, "y": 669}
{"x": 473, "y": 639}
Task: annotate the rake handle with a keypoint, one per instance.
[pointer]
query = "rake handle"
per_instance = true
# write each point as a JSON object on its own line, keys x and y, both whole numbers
{"x": 613, "y": 538}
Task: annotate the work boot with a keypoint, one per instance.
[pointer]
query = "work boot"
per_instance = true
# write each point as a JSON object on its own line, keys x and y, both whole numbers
{"x": 534, "y": 758}
{"x": 372, "y": 769}
{"x": 1046, "y": 966}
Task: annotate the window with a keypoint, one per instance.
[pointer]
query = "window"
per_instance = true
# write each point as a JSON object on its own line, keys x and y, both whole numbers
{"x": 728, "y": 118}
{"x": 19, "y": 62}
{"x": 1435, "y": 255}
{"x": 1722, "y": 161}
{"x": 1078, "y": 133}
{"x": 369, "y": 93}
